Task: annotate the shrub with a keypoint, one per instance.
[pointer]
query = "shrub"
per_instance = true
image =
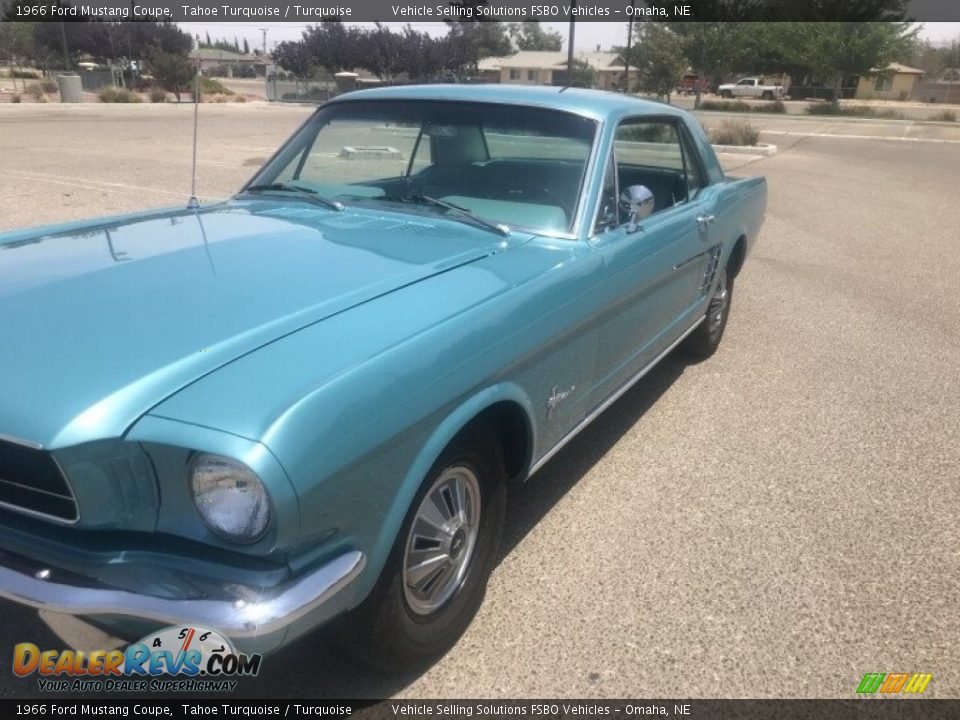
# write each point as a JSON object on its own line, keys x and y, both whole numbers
{"x": 221, "y": 98}
{"x": 734, "y": 132}
{"x": 864, "y": 111}
{"x": 944, "y": 116}
{"x": 774, "y": 106}
{"x": 49, "y": 86}
{"x": 15, "y": 98}
{"x": 724, "y": 106}
{"x": 209, "y": 86}
{"x": 36, "y": 92}
{"x": 112, "y": 94}
{"x": 777, "y": 106}
{"x": 158, "y": 95}
{"x": 172, "y": 71}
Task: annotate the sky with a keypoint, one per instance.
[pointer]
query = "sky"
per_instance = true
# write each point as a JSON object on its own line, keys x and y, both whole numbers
{"x": 588, "y": 34}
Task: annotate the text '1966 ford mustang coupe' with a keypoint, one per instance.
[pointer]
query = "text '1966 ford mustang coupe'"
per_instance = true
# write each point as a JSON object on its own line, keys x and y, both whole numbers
{"x": 303, "y": 403}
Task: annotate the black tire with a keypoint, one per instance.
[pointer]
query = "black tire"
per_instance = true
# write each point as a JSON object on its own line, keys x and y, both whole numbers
{"x": 385, "y": 631}
{"x": 726, "y": 94}
{"x": 767, "y": 95}
{"x": 704, "y": 341}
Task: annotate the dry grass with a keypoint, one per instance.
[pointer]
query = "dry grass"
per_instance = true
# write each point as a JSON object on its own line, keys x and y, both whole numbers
{"x": 221, "y": 98}
{"x": 734, "y": 132}
{"x": 944, "y": 116}
{"x": 111, "y": 94}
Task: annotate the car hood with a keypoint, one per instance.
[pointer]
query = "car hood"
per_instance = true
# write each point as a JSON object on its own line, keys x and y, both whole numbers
{"x": 101, "y": 321}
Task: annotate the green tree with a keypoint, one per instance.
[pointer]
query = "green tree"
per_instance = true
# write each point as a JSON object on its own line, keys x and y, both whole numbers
{"x": 658, "y": 57}
{"x": 473, "y": 40}
{"x": 381, "y": 50}
{"x": 530, "y": 35}
{"x": 582, "y": 74}
{"x": 246, "y": 47}
{"x": 711, "y": 49}
{"x": 834, "y": 51}
{"x": 173, "y": 71}
{"x": 334, "y": 46}
{"x": 16, "y": 44}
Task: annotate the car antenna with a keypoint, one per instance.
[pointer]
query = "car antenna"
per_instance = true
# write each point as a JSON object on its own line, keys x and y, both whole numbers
{"x": 193, "y": 203}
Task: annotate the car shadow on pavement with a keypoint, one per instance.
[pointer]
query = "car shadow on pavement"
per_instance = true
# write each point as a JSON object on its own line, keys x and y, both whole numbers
{"x": 314, "y": 667}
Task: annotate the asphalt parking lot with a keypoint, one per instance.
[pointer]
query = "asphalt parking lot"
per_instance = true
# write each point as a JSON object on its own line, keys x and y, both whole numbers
{"x": 774, "y": 522}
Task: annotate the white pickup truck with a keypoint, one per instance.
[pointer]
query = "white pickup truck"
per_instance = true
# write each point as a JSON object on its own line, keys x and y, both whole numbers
{"x": 750, "y": 87}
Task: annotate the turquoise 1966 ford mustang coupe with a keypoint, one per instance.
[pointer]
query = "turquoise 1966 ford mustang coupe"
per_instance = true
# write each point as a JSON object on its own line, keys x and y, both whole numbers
{"x": 303, "y": 403}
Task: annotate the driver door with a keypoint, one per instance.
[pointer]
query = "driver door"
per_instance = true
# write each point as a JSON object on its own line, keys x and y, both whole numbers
{"x": 653, "y": 269}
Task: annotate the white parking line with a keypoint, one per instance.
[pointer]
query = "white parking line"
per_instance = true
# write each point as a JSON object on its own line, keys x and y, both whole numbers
{"x": 859, "y": 137}
{"x": 89, "y": 184}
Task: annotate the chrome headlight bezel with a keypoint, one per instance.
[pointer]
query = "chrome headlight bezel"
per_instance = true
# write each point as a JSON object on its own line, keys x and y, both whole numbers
{"x": 215, "y": 480}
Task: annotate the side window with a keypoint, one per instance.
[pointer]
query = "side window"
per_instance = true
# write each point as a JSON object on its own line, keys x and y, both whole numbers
{"x": 649, "y": 153}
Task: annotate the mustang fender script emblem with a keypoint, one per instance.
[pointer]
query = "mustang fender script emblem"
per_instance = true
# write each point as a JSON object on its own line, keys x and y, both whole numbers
{"x": 557, "y": 396}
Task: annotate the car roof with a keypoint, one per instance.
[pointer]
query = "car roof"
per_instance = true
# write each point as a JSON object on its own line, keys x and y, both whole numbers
{"x": 596, "y": 104}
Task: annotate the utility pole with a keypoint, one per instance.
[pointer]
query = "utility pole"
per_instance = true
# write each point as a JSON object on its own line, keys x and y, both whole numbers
{"x": 67, "y": 65}
{"x": 570, "y": 37}
{"x": 626, "y": 59}
{"x": 264, "y": 31}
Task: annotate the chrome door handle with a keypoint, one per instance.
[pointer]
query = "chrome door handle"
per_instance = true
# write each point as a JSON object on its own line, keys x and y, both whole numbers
{"x": 704, "y": 220}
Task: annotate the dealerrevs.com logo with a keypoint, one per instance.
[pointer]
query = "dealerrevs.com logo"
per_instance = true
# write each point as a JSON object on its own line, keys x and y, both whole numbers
{"x": 176, "y": 659}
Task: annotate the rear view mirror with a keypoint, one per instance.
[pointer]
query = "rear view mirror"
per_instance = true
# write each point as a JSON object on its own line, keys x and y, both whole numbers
{"x": 637, "y": 202}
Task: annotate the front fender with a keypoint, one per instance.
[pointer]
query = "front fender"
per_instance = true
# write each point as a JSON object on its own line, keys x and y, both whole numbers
{"x": 443, "y": 434}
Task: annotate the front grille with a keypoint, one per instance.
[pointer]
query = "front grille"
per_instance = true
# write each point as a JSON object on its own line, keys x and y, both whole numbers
{"x": 31, "y": 482}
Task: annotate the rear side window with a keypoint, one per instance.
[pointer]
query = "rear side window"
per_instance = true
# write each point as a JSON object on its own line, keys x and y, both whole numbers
{"x": 504, "y": 141}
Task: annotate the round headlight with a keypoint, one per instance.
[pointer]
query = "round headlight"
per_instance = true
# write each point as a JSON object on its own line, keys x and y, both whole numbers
{"x": 230, "y": 497}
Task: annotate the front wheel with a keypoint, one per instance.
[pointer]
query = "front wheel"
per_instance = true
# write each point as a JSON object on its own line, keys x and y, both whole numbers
{"x": 704, "y": 341}
{"x": 436, "y": 576}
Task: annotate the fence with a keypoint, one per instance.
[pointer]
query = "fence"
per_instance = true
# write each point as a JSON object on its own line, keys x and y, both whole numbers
{"x": 937, "y": 92}
{"x": 316, "y": 91}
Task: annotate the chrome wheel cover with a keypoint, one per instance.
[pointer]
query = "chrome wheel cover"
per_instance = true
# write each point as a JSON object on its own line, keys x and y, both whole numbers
{"x": 719, "y": 303}
{"x": 441, "y": 540}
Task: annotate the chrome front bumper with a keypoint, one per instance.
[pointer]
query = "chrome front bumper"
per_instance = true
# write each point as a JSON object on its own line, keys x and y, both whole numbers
{"x": 242, "y": 612}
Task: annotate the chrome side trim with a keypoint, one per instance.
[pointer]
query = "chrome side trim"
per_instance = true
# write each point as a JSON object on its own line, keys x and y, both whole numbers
{"x": 21, "y": 442}
{"x": 610, "y": 400}
{"x": 248, "y": 613}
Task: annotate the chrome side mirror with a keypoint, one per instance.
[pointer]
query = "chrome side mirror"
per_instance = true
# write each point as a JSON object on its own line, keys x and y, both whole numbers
{"x": 637, "y": 201}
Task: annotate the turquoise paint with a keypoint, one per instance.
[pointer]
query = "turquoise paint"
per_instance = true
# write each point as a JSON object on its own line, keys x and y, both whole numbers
{"x": 334, "y": 359}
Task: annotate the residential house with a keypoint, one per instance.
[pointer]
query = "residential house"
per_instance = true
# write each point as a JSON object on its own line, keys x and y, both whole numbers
{"x": 894, "y": 82}
{"x": 536, "y": 67}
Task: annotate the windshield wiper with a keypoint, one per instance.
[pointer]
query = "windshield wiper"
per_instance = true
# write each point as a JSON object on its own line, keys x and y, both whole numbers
{"x": 467, "y": 213}
{"x": 305, "y": 193}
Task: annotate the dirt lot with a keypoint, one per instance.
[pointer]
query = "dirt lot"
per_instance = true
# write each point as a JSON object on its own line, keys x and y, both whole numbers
{"x": 774, "y": 522}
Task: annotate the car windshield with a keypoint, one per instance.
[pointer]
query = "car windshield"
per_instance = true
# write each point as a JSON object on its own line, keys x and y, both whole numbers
{"x": 498, "y": 164}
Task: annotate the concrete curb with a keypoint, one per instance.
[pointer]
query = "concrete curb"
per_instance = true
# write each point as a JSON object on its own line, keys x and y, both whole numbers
{"x": 765, "y": 149}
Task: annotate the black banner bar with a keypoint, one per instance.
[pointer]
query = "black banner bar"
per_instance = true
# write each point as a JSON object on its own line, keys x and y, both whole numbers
{"x": 859, "y": 709}
{"x": 309, "y": 11}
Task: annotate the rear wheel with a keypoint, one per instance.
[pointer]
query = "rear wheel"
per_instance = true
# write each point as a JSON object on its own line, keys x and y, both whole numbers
{"x": 704, "y": 341}
{"x": 436, "y": 576}
{"x": 767, "y": 95}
